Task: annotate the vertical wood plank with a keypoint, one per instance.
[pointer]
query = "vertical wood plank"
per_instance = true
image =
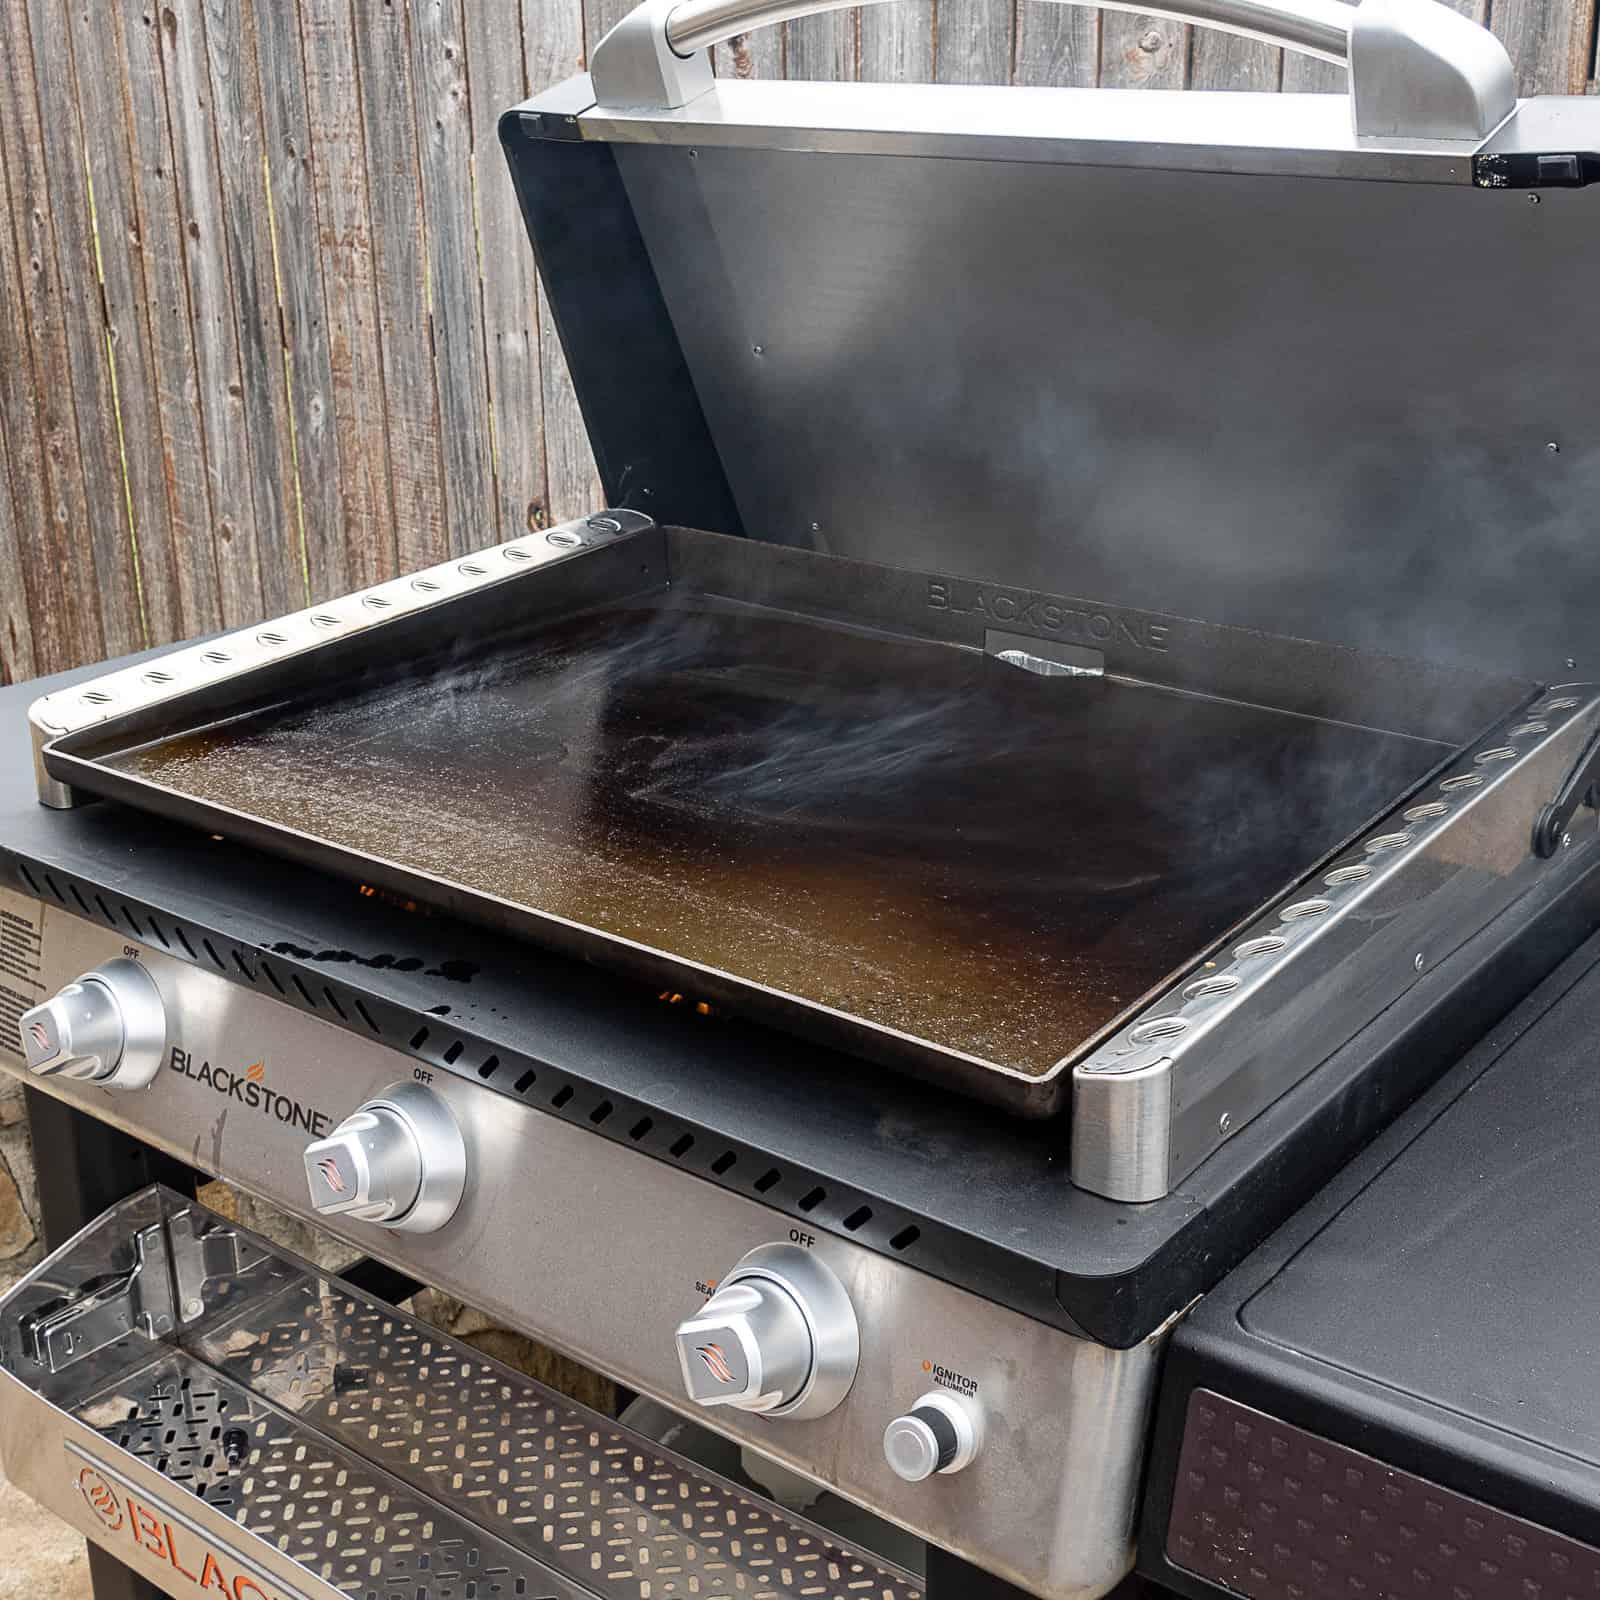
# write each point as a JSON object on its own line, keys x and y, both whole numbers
{"x": 1225, "y": 61}
{"x": 974, "y": 41}
{"x": 1548, "y": 41}
{"x": 383, "y": 58}
{"x": 497, "y": 73}
{"x": 37, "y": 356}
{"x": 1058, "y": 44}
{"x": 598, "y": 18}
{"x": 751, "y": 55}
{"x": 444, "y": 146}
{"x": 367, "y": 521}
{"x": 163, "y": 286}
{"x": 79, "y": 319}
{"x": 1308, "y": 75}
{"x": 17, "y": 661}
{"x": 1142, "y": 52}
{"x": 553, "y": 40}
{"x": 823, "y": 48}
{"x": 290, "y": 198}
{"x": 897, "y": 40}
{"x": 206, "y": 257}
{"x": 97, "y": 78}
{"x": 242, "y": 208}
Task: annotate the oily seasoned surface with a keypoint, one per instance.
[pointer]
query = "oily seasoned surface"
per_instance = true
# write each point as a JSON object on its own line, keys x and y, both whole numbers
{"x": 930, "y": 840}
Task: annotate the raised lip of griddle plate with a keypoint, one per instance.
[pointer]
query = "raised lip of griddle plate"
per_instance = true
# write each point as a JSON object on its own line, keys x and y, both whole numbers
{"x": 818, "y": 587}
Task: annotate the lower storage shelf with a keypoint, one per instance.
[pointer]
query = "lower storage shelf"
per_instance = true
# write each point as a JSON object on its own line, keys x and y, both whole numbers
{"x": 227, "y": 1419}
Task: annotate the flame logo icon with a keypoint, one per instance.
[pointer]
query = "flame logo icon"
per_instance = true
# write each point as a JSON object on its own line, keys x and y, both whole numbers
{"x": 40, "y": 1034}
{"x": 256, "y": 1071}
{"x": 101, "y": 1498}
{"x": 716, "y": 1362}
{"x": 329, "y": 1168}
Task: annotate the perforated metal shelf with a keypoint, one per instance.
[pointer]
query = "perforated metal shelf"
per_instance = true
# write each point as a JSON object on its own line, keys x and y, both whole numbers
{"x": 390, "y": 1462}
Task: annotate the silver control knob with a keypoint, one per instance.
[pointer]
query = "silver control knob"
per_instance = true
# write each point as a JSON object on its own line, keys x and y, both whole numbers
{"x": 398, "y": 1160}
{"x": 940, "y": 1433}
{"x": 778, "y": 1337}
{"x": 107, "y": 1027}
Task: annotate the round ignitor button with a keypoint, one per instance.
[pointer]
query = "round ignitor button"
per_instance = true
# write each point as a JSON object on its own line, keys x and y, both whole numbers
{"x": 940, "y": 1433}
{"x": 108, "y": 1027}
{"x": 398, "y": 1160}
{"x": 779, "y": 1337}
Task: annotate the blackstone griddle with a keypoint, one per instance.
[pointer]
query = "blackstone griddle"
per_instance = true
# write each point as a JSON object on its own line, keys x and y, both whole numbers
{"x": 1094, "y": 619}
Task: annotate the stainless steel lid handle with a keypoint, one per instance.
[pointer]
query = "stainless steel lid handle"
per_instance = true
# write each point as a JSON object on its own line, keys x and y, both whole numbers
{"x": 1418, "y": 70}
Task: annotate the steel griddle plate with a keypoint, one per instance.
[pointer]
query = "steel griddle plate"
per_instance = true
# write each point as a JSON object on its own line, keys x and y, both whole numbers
{"x": 938, "y": 859}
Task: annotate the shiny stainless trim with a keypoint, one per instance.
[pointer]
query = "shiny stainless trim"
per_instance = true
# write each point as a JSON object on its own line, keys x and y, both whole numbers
{"x": 235, "y": 655}
{"x": 597, "y": 1249}
{"x": 1226, "y": 1038}
{"x": 1418, "y": 70}
{"x": 1313, "y": 27}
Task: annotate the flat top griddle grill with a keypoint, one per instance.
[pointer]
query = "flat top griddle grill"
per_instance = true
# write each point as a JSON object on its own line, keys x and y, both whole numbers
{"x": 944, "y": 859}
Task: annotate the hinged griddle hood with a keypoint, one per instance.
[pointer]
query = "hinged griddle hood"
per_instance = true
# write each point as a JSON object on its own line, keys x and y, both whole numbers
{"x": 1161, "y": 617}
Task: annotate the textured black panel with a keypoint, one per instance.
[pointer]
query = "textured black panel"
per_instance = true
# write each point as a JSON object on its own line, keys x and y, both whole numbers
{"x": 1276, "y": 1513}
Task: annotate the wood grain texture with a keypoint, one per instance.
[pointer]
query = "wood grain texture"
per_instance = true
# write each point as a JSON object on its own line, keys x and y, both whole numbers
{"x": 291, "y": 213}
{"x": 1225, "y": 61}
{"x": 975, "y": 41}
{"x": 399, "y": 257}
{"x": 40, "y": 404}
{"x": 553, "y": 41}
{"x": 367, "y": 520}
{"x": 94, "y": 54}
{"x": 761, "y": 54}
{"x": 1550, "y": 44}
{"x": 247, "y": 231}
{"x": 497, "y": 72}
{"x": 206, "y": 257}
{"x": 1308, "y": 75}
{"x": 1142, "y": 52}
{"x": 455, "y": 302}
{"x": 1058, "y": 44}
{"x": 823, "y": 49}
{"x": 18, "y": 659}
{"x": 896, "y": 41}
{"x": 178, "y": 419}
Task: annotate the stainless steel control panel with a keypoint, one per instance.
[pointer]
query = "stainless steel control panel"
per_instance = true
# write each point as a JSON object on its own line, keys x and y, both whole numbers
{"x": 603, "y": 1252}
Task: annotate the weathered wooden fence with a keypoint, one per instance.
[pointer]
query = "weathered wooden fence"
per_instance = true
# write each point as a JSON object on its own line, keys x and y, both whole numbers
{"x": 268, "y": 326}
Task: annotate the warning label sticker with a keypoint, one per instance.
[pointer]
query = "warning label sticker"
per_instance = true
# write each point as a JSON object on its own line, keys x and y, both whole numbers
{"x": 21, "y": 931}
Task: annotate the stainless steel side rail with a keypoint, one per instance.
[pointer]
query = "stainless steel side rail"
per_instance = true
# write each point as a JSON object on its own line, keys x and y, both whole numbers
{"x": 1418, "y": 70}
{"x": 280, "y": 1435}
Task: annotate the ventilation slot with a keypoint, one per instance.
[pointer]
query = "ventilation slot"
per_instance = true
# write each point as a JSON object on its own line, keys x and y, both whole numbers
{"x": 333, "y": 1000}
{"x": 768, "y": 1179}
{"x": 682, "y": 1146}
{"x": 28, "y": 877}
{"x": 601, "y": 1112}
{"x": 183, "y": 939}
{"x": 366, "y": 1017}
{"x": 526, "y": 1081}
{"x": 724, "y": 1163}
{"x": 562, "y": 1095}
{"x": 132, "y": 921}
{"x": 453, "y": 1054}
{"x": 82, "y": 903}
{"x": 239, "y": 962}
{"x": 490, "y": 1064}
{"x": 640, "y": 1129}
{"x": 418, "y": 1039}
{"x": 105, "y": 910}
{"x": 905, "y": 1238}
{"x": 61, "y": 897}
{"x": 858, "y": 1218}
{"x": 271, "y": 977}
{"x": 305, "y": 993}
{"x": 216, "y": 960}
{"x": 155, "y": 929}
{"x": 811, "y": 1201}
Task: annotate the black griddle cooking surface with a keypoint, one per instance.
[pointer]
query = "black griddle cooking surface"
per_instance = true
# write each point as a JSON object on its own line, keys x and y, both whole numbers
{"x": 942, "y": 860}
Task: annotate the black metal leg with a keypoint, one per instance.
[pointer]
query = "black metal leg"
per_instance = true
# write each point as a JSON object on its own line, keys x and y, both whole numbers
{"x": 84, "y": 1167}
{"x": 951, "y": 1578}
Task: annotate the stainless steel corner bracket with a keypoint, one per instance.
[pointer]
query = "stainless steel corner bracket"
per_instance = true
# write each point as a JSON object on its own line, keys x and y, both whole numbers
{"x": 1418, "y": 70}
{"x": 235, "y": 655}
{"x": 1230, "y": 1035}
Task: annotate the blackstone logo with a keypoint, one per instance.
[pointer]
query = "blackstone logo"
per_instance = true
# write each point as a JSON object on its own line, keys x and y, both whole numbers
{"x": 102, "y": 1498}
{"x": 249, "y": 1087}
